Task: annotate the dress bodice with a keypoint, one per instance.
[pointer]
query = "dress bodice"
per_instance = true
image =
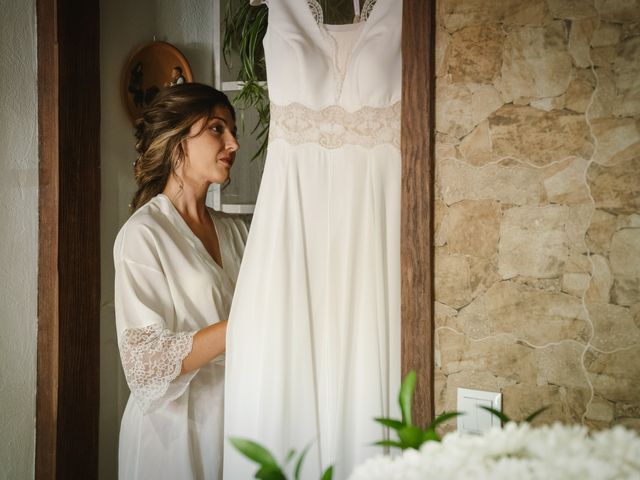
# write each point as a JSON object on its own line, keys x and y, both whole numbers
{"x": 317, "y": 65}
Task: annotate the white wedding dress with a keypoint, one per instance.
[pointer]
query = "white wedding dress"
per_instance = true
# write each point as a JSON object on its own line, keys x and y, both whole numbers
{"x": 313, "y": 345}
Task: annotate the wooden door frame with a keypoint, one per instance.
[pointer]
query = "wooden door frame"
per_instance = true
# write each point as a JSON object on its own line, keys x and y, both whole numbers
{"x": 68, "y": 376}
{"x": 418, "y": 167}
{"x": 68, "y": 365}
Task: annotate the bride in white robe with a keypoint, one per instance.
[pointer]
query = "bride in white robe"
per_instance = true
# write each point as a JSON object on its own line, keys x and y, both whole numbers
{"x": 176, "y": 266}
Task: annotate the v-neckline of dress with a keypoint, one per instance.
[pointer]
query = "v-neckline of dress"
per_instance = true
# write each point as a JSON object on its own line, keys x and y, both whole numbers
{"x": 322, "y": 24}
{"x": 330, "y": 43}
{"x": 198, "y": 245}
{"x": 324, "y": 27}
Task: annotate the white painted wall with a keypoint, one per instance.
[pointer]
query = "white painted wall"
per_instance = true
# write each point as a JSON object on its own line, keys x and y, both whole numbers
{"x": 187, "y": 24}
{"x": 18, "y": 237}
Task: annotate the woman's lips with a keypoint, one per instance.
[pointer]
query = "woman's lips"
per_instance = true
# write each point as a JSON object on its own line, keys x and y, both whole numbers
{"x": 226, "y": 161}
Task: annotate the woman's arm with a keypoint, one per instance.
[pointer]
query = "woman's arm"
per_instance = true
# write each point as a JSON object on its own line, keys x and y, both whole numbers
{"x": 208, "y": 343}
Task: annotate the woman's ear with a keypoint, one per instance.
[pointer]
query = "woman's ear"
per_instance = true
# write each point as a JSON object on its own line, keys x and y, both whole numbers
{"x": 183, "y": 149}
{"x": 180, "y": 155}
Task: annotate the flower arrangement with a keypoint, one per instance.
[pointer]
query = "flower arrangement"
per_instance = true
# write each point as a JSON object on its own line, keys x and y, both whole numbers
{"x": 517, "y": 451}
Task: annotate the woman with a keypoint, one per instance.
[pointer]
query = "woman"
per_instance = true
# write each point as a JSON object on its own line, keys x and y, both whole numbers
{"x": 176, "y": 265}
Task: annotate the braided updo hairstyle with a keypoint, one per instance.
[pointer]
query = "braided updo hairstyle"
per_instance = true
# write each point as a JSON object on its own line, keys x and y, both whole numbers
{"x": 165, "y": 124}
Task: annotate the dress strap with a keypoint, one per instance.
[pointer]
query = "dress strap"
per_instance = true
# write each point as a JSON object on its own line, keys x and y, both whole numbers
{"x": 316, "y": 11}
{"x": 367, "y": 8}
{"x": 356, "y": 11}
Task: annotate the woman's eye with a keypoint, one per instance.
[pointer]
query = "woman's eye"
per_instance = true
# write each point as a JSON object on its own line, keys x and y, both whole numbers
{"x": 217, "y": 129}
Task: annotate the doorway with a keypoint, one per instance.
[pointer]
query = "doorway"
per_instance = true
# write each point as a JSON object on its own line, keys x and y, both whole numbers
{"x": 68, "y": 377}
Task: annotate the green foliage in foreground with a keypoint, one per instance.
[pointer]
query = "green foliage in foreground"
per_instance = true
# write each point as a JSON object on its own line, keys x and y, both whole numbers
{"x": 268, "y": 468}
{"x": 505, "y": 419}
{"x": 410, "y": 435}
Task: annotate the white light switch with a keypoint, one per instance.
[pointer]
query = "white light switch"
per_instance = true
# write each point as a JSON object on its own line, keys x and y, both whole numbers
{"x": 474, "y": 419}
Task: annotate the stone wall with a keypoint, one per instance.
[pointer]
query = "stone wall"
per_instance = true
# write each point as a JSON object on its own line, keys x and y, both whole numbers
{"x": 538, "y": 206}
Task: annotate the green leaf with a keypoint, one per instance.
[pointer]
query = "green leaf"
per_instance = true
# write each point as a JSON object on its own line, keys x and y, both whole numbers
{"x": 503, "y": 418}
{"x": 254, "y": 451}
{"x": 289, "y": 456}
{"x": 406, "y": 396}
{"x": 328, "y": 473}
{"x": 536, "y": 413}
{"x": 430, "y": 435}
{"x": 296, "y": 473}
{"x": 411, "y": 437}
{"x": 388, "y": 422}
{"x": 443, "y": 418}
{"x": 388, "y": 443}
{"x": 270, "y": 472}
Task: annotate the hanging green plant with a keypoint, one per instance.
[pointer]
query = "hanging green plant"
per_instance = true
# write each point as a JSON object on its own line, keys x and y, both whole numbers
{"x": 244, "y": 30}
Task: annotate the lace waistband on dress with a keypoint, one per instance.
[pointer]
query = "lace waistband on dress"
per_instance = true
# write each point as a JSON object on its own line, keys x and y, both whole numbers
{"x": 333, "y": 127}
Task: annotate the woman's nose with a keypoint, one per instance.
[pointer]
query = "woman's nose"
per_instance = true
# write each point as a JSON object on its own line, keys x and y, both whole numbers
{"x": 232, "y": 143}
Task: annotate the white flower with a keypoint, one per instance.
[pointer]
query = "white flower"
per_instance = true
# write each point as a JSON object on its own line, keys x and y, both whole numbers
{"x": 554, "y": 452}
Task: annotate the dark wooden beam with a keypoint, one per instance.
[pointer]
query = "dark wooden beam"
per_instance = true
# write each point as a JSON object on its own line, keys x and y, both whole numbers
{"x": 68, "y": 377}
{"x": 47, "y": 363}
{"x": 418, "y": 113}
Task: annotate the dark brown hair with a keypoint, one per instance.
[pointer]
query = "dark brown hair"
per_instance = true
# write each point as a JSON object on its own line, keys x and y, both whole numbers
{"x": 165, "y": 124}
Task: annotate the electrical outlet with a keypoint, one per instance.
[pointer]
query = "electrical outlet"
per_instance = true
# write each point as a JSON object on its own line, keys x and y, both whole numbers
{"x": 476, "y": 420}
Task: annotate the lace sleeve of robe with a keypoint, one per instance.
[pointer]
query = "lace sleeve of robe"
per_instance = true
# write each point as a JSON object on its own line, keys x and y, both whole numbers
{"x": 151, "y": 353}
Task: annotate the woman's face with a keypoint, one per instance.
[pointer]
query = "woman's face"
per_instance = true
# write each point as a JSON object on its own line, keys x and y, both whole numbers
{"x": 210, "y": 152}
